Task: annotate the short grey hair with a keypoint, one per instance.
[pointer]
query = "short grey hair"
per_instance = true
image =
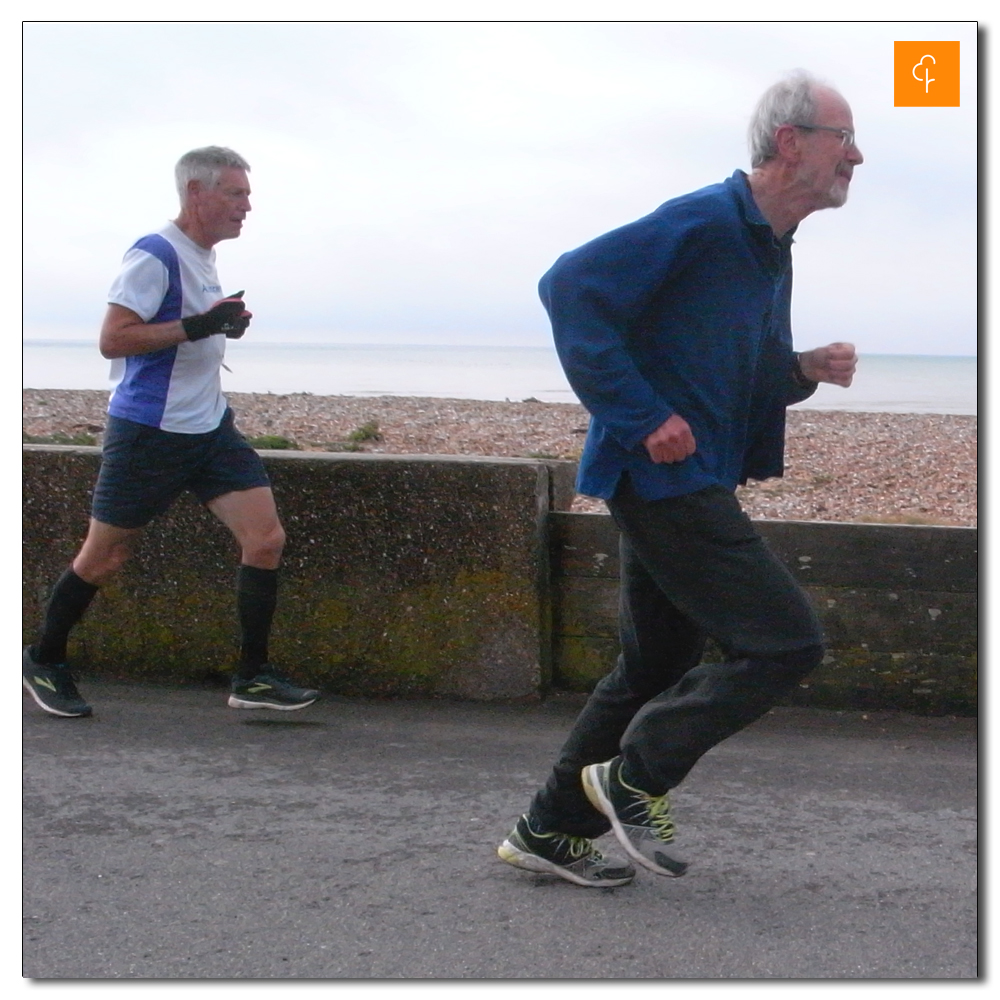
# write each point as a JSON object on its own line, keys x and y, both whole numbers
{"x": 789, "y": 101}
{"x": 205, "y": 165}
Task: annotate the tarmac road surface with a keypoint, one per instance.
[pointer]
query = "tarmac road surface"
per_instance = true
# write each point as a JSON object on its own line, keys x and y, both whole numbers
{"x": 170, "y": 837}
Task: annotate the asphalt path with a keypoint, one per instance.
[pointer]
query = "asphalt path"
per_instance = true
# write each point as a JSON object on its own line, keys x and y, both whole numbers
{"x": 170, "y": 837}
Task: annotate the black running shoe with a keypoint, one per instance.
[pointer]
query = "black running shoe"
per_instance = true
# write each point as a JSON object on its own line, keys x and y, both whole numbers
{"x": 52, "y": 687}
{"x": 640, "y": 821}
{"x": 572, "y": 858}
{"x": 270, "y": 690}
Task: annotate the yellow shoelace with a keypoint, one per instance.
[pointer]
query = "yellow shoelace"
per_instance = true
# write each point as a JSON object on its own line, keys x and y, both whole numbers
{"x": 581, "y": 847}
{"x": 658, "y": 809}
{"x": 659, "y": 815}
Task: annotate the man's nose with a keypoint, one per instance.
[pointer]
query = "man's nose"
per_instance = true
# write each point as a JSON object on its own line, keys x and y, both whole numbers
{"x": 854, "y": 155}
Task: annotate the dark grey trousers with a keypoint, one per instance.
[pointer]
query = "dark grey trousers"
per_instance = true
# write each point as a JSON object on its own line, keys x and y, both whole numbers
{"x": 692, "y": 567}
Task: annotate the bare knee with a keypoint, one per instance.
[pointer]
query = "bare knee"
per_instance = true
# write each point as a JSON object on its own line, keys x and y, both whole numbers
{"x": 104, "y": 552}
{"x": 98, "y": 566}
{"x": 264, "y": 549}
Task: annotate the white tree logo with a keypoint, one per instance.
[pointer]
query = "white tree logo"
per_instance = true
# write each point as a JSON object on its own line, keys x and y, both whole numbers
{"x": 926, "y": 79}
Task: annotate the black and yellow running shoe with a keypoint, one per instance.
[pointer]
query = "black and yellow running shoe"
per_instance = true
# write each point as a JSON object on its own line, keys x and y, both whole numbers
{"x": 52, "y": 687}
{"x": 641, "y": 822}
{"x": 269, "y": 689}
{"x": 572, "y": 858}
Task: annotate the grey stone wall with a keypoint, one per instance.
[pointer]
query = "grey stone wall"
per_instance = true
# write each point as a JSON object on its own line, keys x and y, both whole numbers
{"x": 464, "y": 577}
{"x": 402, "y": 575}
{"x": 898, "y": 604}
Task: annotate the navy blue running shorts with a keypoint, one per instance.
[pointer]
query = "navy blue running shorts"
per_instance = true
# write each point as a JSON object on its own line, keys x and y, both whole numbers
{"x": 144, "y": 470}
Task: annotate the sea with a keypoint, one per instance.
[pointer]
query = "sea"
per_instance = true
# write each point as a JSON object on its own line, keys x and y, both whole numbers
{"x": 890, "y": 383}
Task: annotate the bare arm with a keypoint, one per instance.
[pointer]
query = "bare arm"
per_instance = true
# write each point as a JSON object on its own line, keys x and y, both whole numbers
{"x": 123, "y": 334}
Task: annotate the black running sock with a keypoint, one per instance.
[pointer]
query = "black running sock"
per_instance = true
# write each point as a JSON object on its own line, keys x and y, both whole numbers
{"x": 70, "y": 598}
{"x": 256, "y": 598}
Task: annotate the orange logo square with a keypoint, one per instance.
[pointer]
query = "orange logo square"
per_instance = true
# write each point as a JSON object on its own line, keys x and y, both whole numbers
{"x": 926, "y": 75}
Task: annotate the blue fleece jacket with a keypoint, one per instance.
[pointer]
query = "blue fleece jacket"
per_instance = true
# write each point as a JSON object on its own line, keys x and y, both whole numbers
{"x": 684, "y": 311}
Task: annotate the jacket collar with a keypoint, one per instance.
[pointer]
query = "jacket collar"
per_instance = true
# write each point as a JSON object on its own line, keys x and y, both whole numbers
{"x": 739, "y": 185}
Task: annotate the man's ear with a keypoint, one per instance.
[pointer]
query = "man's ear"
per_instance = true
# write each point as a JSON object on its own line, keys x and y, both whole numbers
{"x": 787, "y": 139}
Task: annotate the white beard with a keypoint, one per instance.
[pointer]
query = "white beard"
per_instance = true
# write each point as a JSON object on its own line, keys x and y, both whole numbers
{"x": 838, "y": 193}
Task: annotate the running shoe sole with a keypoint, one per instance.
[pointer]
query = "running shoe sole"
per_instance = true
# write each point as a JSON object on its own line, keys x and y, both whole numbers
{"x": 533, "y": 863}
{"x": 236, "y": 702}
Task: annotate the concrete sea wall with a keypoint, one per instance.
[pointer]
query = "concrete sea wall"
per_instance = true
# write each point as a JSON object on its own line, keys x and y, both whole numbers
{"x": 402, "y": 576}
{"x": 898, "y": 604}
{"x": 465, "y": 577}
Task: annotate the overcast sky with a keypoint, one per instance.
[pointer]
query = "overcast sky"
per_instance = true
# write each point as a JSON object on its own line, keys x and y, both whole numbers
{"x": 413, "y": 181}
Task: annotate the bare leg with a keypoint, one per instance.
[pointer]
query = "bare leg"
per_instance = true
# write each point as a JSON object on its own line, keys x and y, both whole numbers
{"x": 104, "y": 551}
{"x": 252, "y": 517}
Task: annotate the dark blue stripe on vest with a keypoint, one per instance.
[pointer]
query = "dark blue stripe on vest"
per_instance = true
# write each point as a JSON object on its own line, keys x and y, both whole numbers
{"x": 163, "y": 250}
{"x": 142, "y": 394}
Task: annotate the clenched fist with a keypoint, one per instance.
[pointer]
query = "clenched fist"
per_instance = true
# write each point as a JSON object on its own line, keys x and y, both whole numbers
{"x": 228, "y": 316}
{"x": 672, "y": 441}
{"x": 835, "y": 363}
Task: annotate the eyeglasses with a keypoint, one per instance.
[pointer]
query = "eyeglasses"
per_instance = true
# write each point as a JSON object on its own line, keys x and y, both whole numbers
{"x": 846, "y": 134}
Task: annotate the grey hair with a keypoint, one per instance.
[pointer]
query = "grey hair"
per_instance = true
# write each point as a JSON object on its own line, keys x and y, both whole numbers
{"x": 205, "y": 165}
{"x": 789, "y": 101}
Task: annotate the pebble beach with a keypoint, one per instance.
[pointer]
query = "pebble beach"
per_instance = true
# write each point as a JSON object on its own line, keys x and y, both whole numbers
{"x": 892, "y": 468}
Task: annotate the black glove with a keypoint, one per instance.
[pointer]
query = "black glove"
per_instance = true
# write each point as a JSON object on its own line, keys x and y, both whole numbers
{"x": 239, "y": 325}
{"x": 228, "y": 316}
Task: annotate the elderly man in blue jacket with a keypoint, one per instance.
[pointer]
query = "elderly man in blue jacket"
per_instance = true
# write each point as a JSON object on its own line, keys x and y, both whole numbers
{"x": 675, "y": 333}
